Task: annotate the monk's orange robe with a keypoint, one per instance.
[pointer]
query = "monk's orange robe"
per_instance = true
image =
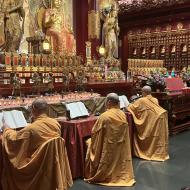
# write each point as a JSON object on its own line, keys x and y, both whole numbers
{"x": 108, "y": 160}
{"x": 35, "y": 157}
{"x": 151, "y": 134}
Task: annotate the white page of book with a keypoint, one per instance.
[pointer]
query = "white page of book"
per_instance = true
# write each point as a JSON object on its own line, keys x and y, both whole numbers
{"x": 19, "y": 118}
{"x": 123, "y": 101}
{"x": 74, "y": 112}
{"x": 82, "y": 108}
{"x": 1, "y": 119}
{"x": 9, "y": 119}
{"x": 77, "y": 109}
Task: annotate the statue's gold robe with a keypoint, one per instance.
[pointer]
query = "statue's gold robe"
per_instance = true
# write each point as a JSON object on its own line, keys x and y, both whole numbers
{"x": 108, "y": 160}
{"x": 35, "y": 157}
{"x": 151, "y": 133}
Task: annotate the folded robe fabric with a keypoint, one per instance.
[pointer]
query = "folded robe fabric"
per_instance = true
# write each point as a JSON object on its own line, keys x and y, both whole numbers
{"x": 35, "y": 158}
{"x": 108, "y": 160}
{"x": 151, "y": 134}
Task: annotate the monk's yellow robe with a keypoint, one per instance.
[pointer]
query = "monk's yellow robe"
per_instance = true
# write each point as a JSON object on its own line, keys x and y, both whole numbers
{"x": 108, "y": 160}
{"x": 35, "y": 157}
{"x": 151, "y": 133}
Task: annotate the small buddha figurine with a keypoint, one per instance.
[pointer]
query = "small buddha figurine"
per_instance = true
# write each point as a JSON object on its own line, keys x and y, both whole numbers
{"x": 184, "y": 48}
{"x": 163, "y": 50}
{"x": 66, "y": 81}
{"x": 143, "y": 51}
{"x": 37, "y": 82}
{"x": 184, "y": 70}
{"x": 173, "y": 49}
{"x": 16, "y": 81}
{"x": 135, "y": 51}
{"x": 153, "y": 50}
{"x": 50, "y": 85}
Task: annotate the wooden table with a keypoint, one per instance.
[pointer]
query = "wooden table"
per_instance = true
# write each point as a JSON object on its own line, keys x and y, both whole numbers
{"x": 74, "y": 133}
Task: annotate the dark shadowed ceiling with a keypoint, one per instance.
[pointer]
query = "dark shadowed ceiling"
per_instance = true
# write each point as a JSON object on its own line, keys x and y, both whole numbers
{"x": 127, "y": 6}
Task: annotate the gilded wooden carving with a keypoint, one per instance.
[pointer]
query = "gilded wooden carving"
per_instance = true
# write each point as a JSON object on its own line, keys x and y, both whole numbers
{"x": 170, "y": 44}
{"x": 93, "y": 25}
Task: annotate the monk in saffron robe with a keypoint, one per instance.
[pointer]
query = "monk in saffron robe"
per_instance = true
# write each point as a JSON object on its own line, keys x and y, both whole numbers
{"x": 108, "y": 160}
{"x": 151, "y": 134}
{"x": 35, "y": 157}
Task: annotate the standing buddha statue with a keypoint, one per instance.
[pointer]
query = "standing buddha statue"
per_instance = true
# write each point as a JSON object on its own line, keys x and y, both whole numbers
{"x": 11, "y": 13}
{"x": 111, "y": 32}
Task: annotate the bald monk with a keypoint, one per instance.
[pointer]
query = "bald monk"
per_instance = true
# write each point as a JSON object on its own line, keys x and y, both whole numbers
{"x": 151, "y": 134}
{"x": 34, "y": 157}
{"x": 108, "y": 160}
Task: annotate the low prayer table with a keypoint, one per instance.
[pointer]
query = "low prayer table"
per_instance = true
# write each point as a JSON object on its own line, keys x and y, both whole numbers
{"x": 74, "y": 132}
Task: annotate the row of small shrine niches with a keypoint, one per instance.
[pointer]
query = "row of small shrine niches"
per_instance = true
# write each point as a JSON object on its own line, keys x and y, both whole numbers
{"x": 135, "y": 63}
{"x": 179, "y": 64}
{"x": 54, "y": 60}
{"x": 161, "y": 50}
{"x": 173, "y": 27}
{"x": 180, "y": 39}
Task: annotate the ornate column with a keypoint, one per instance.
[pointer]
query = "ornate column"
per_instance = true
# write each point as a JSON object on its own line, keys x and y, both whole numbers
{"x": 94, "y": 26}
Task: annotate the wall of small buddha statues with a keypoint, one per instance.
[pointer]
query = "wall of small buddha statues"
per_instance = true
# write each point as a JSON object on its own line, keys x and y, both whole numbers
{"x": 144, "y": 67}
{"x": 157, "y": 32}
{"x": 170, "y": 42}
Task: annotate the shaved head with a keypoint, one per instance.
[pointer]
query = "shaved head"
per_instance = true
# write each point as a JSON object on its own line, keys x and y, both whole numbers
{"x": 146, "y": 90}
{"x": 40, "y": 105}
{"x": 113, "y": 98}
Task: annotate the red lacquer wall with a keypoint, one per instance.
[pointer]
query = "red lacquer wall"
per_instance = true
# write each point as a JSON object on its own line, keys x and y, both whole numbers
{"x": 81, "y": 8}
{"x": 81, "y": 25}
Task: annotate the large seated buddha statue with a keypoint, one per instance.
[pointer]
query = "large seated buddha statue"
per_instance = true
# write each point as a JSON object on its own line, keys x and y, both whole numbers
{"x": 61, "y": 38}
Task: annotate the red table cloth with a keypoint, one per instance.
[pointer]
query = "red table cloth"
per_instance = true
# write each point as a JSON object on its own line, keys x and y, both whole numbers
{"x": 74, "y": 132}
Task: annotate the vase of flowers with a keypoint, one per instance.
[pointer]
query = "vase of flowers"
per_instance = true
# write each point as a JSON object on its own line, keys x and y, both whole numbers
{"x": 156, "y": 82}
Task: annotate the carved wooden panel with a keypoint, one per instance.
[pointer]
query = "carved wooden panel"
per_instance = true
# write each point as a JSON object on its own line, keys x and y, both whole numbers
{"x": 170, "y": 43}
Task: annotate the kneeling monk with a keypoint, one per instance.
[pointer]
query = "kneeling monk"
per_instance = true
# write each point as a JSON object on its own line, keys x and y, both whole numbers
{"x": 35, "y": 157}
{"x": 108, "y": 160}
{"x": 151, "y": 134}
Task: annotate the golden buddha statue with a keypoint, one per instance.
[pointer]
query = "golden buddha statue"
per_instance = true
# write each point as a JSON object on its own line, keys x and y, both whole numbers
{"x": 173, "y": 49}
{"x": 163, "y": 50}
{"x": 153, "y": 50}
{"x": 143, "y": 51}
{"x": 55, "y": 27}
{"x": 134, "y": 51}
{"x": 11, "y": 13}
{"x": 70, "y": 41}
{"x": 60, "y": 32}
{"x": 184, "y": 48}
